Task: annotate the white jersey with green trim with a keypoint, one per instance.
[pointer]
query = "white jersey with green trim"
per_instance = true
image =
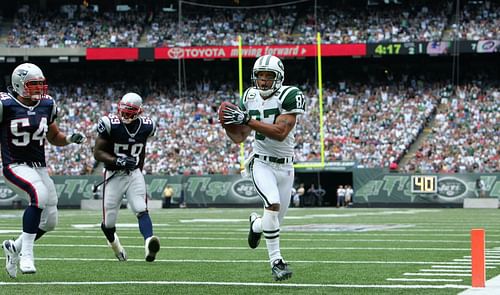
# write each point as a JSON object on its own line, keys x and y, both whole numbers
{"x": 286, "y": 100}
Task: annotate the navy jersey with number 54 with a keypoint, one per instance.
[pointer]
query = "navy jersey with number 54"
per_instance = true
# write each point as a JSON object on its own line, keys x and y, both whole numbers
{"x": 23, "y": 129}
{"x": 127, "y": 140}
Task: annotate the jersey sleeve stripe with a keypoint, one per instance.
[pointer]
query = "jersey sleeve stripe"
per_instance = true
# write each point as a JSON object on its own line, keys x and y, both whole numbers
{"x": 285, "y": 92}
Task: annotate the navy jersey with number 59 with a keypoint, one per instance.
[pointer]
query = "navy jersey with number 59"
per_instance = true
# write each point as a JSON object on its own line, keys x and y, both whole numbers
{"x": 127, "y": 140}
{"x": 23, "y": 129}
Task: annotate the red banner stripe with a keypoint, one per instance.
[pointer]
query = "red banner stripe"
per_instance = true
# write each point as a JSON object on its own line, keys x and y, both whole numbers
{"x": 112, "y": 54}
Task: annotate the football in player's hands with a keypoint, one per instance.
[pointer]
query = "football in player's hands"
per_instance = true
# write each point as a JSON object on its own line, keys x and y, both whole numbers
{"x": 226, "y": 113}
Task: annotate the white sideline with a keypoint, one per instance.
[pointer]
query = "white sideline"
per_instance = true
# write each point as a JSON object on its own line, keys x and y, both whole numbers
{"x": 492, "y": 288}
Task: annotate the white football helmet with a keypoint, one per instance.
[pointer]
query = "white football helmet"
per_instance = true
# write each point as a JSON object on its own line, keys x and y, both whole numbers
{"x": 269, "y": 63}
{"x": 130, "y": 107}
{"x": 29, "y": 81}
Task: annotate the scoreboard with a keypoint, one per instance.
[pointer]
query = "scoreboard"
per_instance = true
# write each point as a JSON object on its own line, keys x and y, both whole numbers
{"x": 432, "y": 48}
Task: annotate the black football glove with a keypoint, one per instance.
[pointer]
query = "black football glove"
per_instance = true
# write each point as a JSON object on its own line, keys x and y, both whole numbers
{"x": 235, "y": 116}
{"x": 127, "y": 163}
{"x": 77, "y": 138}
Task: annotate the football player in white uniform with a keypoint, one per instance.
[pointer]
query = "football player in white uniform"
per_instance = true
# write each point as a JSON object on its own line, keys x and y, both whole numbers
{"x": 27, "y": 121}
{"x": 270, "y": 109}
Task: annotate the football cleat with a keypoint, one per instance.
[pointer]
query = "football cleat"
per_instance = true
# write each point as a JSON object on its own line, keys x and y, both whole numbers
{"x": 27, "y": 263}
{"x": 280, "y": 270}
{"x": 253, "y": 237}
{"x": 152, "y": 246}
{"x": 120, "y": 252}
{"x": 11, "y": 257}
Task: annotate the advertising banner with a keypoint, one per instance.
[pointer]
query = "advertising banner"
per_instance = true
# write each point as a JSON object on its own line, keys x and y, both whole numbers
{"x": 229, "y": 52}
{"x": 376, "y": 186}
{"x": 199, "y": 190}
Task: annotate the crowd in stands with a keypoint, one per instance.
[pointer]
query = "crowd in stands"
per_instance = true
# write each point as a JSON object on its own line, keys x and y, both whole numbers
{"x": 395, "y": 24}
{"x": 479, "y": 23}
{"x": 77, "y": 26}
{"x": 465, "y": 133}
{"x": 70, "y": 28}
{"x": 371, "y": 125}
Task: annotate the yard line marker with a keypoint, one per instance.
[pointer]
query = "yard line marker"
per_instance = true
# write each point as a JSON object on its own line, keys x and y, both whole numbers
{"x": 245, "y": 248}
{"x": 457, "y": 266}
{"x": 447, "y": 286}
{"x": 436, "y": 274}
{"x": 241, "y": 261}
{"x": 477, "y": 257}
{"x": 445, "y": 270}
{"x": 423, "y": 280}
{"x": 100, "y": 236}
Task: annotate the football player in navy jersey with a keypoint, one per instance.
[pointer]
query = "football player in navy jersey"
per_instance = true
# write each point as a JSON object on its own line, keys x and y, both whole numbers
{"x": 121, "y": 146}
{"x": 27, "y": 119}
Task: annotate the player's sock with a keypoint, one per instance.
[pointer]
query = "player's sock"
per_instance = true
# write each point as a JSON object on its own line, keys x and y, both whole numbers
{"x": 40, "y": 232}
{"x": 28, "y": 240}
{"x": 109, "y": 232}
{"x": 271, "y": 230}
{"x": 145, "y": 224}
{"x": 31, "y": 219}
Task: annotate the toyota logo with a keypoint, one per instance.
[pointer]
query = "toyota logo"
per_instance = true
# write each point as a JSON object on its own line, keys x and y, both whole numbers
{"x": 175, "y": 53}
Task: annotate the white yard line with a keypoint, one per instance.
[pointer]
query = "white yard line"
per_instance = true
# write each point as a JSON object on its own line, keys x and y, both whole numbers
{"x": 250, "y": 261}
{"x": 437, "y": 274}
{"x": 352, "y": 286}
{"x": 444, "y": 270}
{"x": 423, "y": 280}
{"x": 283, "y": 248}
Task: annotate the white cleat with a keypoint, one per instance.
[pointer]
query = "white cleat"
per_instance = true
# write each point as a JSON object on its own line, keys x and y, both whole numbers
{"x": 152, "y": 246}
{"x": 11, "y": 257}
{"x": 120, "y": 252}
{"x": 27, "y": 263}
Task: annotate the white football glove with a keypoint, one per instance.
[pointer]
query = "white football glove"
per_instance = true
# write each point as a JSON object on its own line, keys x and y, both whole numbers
{"x": 77, "y": 138}
{"x": 235, "y": 116}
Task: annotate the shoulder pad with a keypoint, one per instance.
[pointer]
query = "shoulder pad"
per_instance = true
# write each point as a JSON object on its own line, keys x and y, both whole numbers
{"x": 292, "y": 100}
{"x": 104, "y": 125}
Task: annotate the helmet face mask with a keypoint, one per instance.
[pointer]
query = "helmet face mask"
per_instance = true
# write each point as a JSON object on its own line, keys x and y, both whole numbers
{"x": 130, "y": 107}
{"x": 268, "y": 63}
{"x": 28, "y": 81}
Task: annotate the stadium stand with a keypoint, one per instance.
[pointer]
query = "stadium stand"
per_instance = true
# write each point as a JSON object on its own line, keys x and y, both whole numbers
{"x": 373, "y": 122}
{"x": 339, "y": 23}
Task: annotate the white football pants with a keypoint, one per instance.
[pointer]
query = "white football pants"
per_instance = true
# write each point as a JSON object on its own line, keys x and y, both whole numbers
{"x": 131, "y": 185}
{"x": 273, "y": 182}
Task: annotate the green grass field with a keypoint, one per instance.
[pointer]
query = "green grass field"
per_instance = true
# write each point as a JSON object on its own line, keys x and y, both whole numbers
{"x": 204, "y": 251}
